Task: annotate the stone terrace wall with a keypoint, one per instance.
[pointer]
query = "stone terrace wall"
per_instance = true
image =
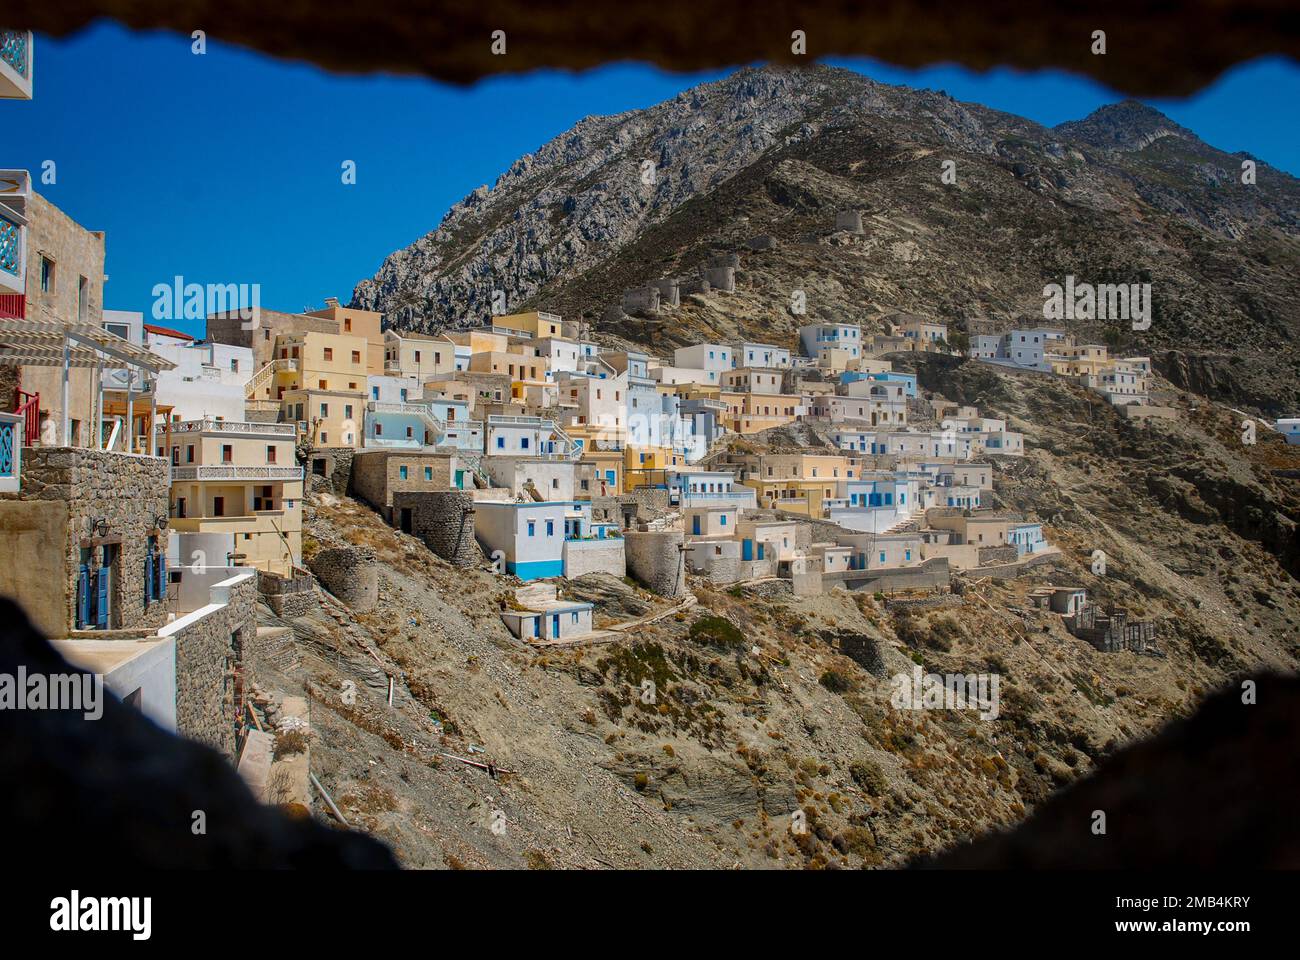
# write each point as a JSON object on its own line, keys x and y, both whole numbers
{"x": 211, "y": 651}
{"x": 287, "y": 598}
{"x": 129, "y": 492}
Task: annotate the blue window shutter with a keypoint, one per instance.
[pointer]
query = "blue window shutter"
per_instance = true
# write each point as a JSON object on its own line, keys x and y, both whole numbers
{"x": 148, "y": 577}
{"x": 162, "y": 575}
{"x": 83, "y": 597}
{"x": 101, "y": 591}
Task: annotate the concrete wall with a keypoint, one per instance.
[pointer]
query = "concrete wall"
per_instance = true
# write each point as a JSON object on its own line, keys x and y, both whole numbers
{"x": 594, "y": 556}
{"x": 36, "y": 531}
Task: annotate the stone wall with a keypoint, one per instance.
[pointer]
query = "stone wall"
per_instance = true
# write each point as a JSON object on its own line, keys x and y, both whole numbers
{"x": 445, "y": 522}
{"x": 669, "y": 292}
{"x": 337, "y": 465}
{"x": 287, "y": 598}
{"x": 350, "y": 573}
{"x": 850, "y": 220}
{"x": 376, "y": 476}
{"x": 213, "y": 651}
{"x": 930, "y": 574}
{"x": 722, "y": 279}
{"x": 656, "y": 560}
{"x": 1005, "y": 553}
{"x": 128, "y": 493}
{"x": 594, "y": 556}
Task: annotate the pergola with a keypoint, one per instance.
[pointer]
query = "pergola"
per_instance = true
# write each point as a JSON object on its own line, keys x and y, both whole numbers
{"x": 50, "y": 343}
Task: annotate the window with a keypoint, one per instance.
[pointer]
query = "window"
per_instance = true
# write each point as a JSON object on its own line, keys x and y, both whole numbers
{"x": 501, "y": 443}
{"x": 324, "y": 437}
{"x": 356, "y": 356}
{"x": 324, "y": 410}
{"x": 401, "y": 473}
{"x": 270, "y": 454}
{"x": 347, "y": 324}
{"x": 523, "y": 443}
{"x": 227, "y": 453}
{"x": 322, "y": 384}
{"x": 428, "y": 473}
{"x": 189, "y": 454}
{"x": 329, "y": 353}
{"x": 417, "y": 356}
{"x": 47, "y": 275}
{"x": 550, "y": 528}
{"x": 379, "y": 429}
{"x": 532, "y": 528}
{"x": 234, "y": 366}
{"x": 347, "y": 411}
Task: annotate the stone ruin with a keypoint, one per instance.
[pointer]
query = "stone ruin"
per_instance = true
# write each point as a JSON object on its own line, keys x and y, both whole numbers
{"x": 848, "y": 220}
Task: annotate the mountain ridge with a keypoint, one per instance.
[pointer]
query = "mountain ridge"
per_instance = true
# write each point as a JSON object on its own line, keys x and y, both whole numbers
{"x": 1124, "y": 194}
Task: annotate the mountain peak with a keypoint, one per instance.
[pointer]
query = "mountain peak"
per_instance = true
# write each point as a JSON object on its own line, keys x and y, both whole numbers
{"x": 1127, "y": 125}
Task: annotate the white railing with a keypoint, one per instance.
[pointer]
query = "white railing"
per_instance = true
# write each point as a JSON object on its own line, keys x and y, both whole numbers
{"x": 212, "y": 425}
{"x": 231, "y": 471}
{"x": 259, "y": 379}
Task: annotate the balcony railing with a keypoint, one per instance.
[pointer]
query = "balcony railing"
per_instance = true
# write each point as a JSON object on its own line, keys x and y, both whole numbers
{"x": 232, "y": 471}
{"x": 11, "y": 247}
{"x": 242, "y": 427}
{"x": 14, "y": 50}
{"x": 13, "y": 306}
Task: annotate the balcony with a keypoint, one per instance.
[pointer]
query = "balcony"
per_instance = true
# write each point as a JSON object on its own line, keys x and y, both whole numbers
{"x": 284, "y": 431}
{"x": 237, "y": 472}
{"x": 16, "y": 64}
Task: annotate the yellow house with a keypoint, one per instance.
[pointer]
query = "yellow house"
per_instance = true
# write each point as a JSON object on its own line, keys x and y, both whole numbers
{"x": 752, "y": 412}
{"x": 418, "y": 355}
{"x": 535, "y": 324}
{"x": 480, "y": 341}
{"x": 326, "y": 418}
{"x": 240, "y": 481}
{"x": 606, "y": 472}
{"x": 358, "y": 323}
{"x": 797, "y": 482}
{"x": 645, "y": 466}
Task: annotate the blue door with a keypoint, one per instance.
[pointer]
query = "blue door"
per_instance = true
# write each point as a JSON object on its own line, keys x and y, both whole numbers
{"x": 537, "y": 626}
{"x": 555, "y": 626}
{"x": 83, "y": 597}
{"x": 101, "y": 598}
{"x": 695, "y": 525}
{"x": 747, "y": 550}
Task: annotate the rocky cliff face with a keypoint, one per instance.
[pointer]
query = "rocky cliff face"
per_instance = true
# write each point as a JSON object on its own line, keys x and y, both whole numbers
{"x": 1123, "y": 196}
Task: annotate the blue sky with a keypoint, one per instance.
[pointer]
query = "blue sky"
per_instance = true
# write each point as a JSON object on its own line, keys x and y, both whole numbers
{"x": 225, "y": 168}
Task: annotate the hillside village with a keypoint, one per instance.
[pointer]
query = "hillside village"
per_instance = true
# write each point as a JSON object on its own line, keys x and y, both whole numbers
{"x": 226, "y": 503}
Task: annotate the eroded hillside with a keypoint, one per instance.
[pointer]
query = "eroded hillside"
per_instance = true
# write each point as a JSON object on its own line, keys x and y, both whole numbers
{"x": 764, "y": 703}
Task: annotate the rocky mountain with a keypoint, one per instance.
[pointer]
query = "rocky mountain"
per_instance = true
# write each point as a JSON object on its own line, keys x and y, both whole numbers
{"x": 1124, "y": 195}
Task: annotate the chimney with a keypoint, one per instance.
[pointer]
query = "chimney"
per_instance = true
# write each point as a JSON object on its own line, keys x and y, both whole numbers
{"x": 331, "y": 302}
